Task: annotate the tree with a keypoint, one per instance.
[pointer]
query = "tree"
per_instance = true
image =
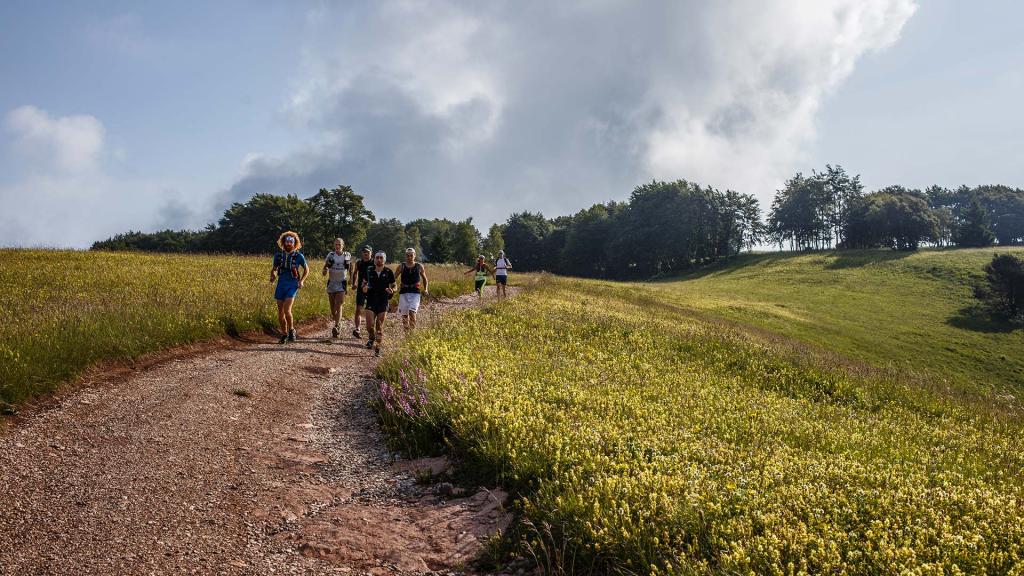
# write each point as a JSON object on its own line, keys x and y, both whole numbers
{"x": 440, "y": 247}
{"x": 905, "y": 218}
{"x": 841, "y": 192}
{"x": 339, "y": 212}
{"x": 494, "y": 242}
{"x": 412, "y": 238}
{"x": 893, "y": 217}
{"x": 975, "y": 229}
{"x": 465, "y": 242}
{"x": 253, "y": 227}
{"x": 585, "y": 250}
{"x": 945, "y": 226}
{"x": 524, "y": 236}
{"x": 388, "y": 234}
{"x": 799, "y": 214}
{"x": 1003, "y": 290}
{"x": 742, "y": 227}
{"x": 174, "y": 241}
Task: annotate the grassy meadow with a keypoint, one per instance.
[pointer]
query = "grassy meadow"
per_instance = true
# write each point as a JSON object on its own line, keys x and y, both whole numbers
{"x": 67, "y": 310}
{"x": 906, "y": 311}
{"x": 641, "y": 434}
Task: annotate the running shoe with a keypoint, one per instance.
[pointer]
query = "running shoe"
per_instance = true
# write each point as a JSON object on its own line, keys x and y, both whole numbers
{"x": 369, "y": 344}
{"x": 335, "y": 332}
{"x": 376, "y": 351}
{"x": 284, "y": 338}
{"x": 355, "y": 333}
{"x": 291, "y": 335}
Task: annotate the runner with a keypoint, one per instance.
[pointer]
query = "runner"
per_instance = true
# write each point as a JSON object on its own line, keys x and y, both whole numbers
{"x": 482, "y": 270}
{"x": 337, "y": 264}
{"x": 501, "y": 267}
{"x": 379, "y": 286}
{"x": 413, "y": 279}
{"x": 290, "y": 272}
{"x": 359, "y": 269}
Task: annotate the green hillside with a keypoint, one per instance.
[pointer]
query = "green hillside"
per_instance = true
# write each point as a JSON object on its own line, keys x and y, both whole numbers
{"x": 908, "y": 311}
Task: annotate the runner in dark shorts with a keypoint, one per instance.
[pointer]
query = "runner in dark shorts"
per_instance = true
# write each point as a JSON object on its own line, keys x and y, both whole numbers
{"x": 480, "y": 270}
{"x": 379, "y": 286}
{"x": 501, "y": 267}
{"x": 359, "y": 268}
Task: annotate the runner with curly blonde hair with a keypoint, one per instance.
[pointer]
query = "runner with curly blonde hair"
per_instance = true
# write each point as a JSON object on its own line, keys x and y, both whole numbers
{"x": 290, "y": 271}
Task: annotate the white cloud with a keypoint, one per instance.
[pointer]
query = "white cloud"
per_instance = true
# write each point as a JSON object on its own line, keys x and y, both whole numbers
{"x": 70, "y": 144}
{"x": 455, "y": 108}
{"x": 58, "y": 192}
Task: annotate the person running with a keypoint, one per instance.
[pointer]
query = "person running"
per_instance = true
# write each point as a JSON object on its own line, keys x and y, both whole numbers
{"x": 378, "y": 286}
{"x": 501, "y": 267}
{"x": 337, "y": 265}
{"x": 481, "y": 270}
{"x": 412, "y": 283}
{"x": 290, "y": 272}
{"x": 359, "y": 270}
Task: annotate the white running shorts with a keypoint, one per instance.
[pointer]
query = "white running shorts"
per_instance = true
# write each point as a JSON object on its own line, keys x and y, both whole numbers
{"x": 408, "y": 303}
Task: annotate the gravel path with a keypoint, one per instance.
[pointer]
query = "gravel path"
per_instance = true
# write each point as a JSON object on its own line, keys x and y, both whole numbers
{"x": 253, "y": 458}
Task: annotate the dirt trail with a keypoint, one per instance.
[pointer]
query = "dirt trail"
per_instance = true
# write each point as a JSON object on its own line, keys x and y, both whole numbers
{"x": 173, "y": 470}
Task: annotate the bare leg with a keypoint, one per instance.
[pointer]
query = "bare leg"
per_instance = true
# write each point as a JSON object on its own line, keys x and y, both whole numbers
{"x": 337, "y": 301}
{"x": 357, "y": 317}
{"x": 282, "y": 320}
{"x": 288, "y": 313}
{"x": 380, "y": 327}
{"x": 412, "y": 319}
{"x": 370, "y": 324}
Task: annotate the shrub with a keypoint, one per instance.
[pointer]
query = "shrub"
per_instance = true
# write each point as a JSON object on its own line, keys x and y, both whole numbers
{"x": 1003, "y": 291}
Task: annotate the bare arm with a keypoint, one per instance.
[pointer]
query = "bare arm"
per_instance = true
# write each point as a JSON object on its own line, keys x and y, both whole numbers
{"x": 423, "y": 274}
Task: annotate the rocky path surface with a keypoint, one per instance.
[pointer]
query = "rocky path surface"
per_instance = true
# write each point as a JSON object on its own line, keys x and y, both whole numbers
{"x": 253, "y": 458}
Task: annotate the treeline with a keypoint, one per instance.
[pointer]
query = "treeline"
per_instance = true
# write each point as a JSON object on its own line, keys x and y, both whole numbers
{"x": 664, "y": 227}
{"x": 252, "y": 227}
{"x": 830, "y": 210}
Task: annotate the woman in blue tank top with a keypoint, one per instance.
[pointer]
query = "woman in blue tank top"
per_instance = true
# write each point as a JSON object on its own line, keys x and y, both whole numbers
{"x": 290, "y": 273}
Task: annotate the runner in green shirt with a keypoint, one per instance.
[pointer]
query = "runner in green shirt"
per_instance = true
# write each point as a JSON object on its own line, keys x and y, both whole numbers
{"x": 480, "y": 271}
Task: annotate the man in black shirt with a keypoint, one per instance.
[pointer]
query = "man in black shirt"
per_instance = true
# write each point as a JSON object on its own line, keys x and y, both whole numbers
{"x": 378, "y": 286}
{"x": 358, "y": 274}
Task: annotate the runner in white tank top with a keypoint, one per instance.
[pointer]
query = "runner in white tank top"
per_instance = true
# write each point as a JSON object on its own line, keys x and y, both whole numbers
{"x": 501, "y": 267}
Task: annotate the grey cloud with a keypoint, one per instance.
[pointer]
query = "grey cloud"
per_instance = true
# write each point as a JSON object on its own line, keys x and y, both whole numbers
{"x": 480, "y": 109}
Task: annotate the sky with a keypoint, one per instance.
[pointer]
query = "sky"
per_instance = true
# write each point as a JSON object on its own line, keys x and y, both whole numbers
{"x": 119, "y": 116}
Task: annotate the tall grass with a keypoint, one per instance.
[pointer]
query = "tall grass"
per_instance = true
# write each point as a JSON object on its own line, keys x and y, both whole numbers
{"x": 67, "y": 310}
{"x": 641, "y": 439}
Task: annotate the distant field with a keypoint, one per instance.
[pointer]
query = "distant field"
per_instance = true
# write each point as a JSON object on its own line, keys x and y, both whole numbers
{"x": 641, "y": 437}
{"x": 890, "y": 309}
{"x": 66, "y": 310}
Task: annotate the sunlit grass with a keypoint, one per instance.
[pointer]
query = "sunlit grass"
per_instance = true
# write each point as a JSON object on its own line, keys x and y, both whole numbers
{"x": 641, "y": 438}
{"x": 905, "y": 311}
{"x": 66, "y": 310}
